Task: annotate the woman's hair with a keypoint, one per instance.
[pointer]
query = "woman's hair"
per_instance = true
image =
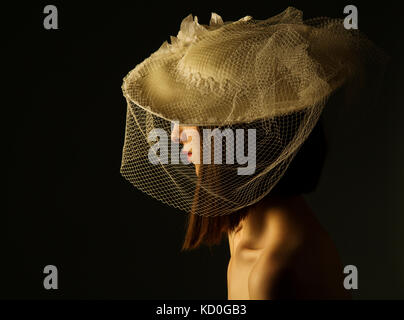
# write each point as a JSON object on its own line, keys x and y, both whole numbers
{"x": 301, "y": 177}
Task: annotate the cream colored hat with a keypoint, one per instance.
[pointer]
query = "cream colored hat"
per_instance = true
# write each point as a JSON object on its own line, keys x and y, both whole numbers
{"x": 272, "y": 75}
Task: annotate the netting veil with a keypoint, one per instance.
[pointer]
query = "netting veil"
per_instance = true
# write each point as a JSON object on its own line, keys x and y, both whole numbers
{"x": 273, "y": 76}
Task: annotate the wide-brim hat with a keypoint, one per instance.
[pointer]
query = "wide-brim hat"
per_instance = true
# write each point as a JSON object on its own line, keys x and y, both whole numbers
{"x": 235, "y": 72}
{"x": 273, "y": 76}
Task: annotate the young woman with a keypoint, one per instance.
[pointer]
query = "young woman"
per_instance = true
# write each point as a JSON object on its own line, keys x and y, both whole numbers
{"x": 270, "y": 78}
{"x": 278, "y": 248}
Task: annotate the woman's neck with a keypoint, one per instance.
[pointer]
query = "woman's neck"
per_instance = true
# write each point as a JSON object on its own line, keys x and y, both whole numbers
{"x": 272, "y": 215}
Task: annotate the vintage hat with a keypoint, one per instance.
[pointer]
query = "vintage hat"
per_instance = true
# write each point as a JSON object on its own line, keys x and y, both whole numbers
{"x": 273, "y": 76}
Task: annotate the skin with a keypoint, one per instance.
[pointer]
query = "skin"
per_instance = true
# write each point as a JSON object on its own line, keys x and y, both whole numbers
{"x": 184, "y": 134}
{"x": 280, "y": 250}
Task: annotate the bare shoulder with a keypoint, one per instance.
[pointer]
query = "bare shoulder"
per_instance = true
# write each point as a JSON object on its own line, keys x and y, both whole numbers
{"x": 270, "y": 277}
{"x": 298, "y": 256}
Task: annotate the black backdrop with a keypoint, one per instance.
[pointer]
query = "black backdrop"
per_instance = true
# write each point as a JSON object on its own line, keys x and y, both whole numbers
{"x": 67, "y": 204}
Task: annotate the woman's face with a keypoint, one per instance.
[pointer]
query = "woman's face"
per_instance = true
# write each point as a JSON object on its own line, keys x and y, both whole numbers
{"x": 188, "y": 136}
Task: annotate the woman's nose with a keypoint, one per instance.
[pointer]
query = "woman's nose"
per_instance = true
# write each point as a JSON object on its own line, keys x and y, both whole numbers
{"x": 176, "y": 133}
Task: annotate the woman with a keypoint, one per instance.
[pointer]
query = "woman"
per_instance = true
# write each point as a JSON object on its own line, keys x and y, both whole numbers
{"x": 278, "y": 249}
{"x": 261, "y": 86}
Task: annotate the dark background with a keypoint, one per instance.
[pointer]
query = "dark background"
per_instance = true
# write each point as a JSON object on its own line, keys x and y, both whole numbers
{"x": 68, "y": 205}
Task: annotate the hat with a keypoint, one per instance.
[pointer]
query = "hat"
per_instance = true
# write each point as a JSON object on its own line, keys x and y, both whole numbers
{"x": 273, "y": 76}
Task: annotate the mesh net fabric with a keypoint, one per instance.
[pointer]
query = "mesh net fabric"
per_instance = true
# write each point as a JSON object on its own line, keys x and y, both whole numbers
{"x": 271, "y": 75}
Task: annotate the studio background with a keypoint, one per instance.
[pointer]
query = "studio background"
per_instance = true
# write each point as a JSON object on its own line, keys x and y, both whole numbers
{"x": 67, "y": 204}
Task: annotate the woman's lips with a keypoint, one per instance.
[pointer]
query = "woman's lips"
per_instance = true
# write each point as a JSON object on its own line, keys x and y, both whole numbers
{"x": 188, "y": 153}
